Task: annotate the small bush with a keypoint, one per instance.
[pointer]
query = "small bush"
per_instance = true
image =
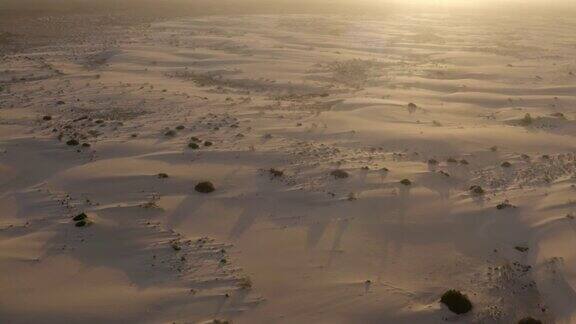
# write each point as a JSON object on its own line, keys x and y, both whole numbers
{"x": 276, "y": 173}
{"x": 180, "y": 127}
{"x": 406, "y": 182}
{"x": 72, "y": 142}
{"x": 162, "y": 175}
{"x": 456, "y": 301}
{"x": 433, "y": 162}
{"x": 339, "y": 174}
{"x": 505, "y": 205}
{"x": 477, "y": 190}
{"x": 82, "y": 223}
{"x": 170, "y": 133}
{"x": 208, "y": 143}
{"x": 80, "y": 217}
{"x": 194, "y": 139}
{"x": 451, "y": 160}
{"x": 85, "y": 144}
{"x": 527, "y": 120}
{"x": 529, "y": 320}
{"x": 47, "y": 118}
{"x": 175, "y": 246}
{"x": 506, "y": 164}
{"x": 464, "y": 162}
{"x": 193, "y": 146}
{"x": 245, "y": 283}
{"x": 205, "y": 187}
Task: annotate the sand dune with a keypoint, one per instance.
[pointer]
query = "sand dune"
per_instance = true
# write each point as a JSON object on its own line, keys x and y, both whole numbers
{"x": 122, "y": 127}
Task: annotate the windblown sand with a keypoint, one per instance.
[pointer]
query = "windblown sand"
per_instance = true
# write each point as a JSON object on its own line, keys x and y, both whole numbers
{"x": 441, "y": 100}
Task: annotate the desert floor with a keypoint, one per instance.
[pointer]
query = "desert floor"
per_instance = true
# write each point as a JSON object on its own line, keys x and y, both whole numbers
{"x": 273, "y": 105}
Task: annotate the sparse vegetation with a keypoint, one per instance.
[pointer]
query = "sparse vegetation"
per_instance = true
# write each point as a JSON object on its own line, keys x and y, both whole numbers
{"x": 193, "y": 146}
{"x": 456, "y": 301}
{"x": 207, "y": 143}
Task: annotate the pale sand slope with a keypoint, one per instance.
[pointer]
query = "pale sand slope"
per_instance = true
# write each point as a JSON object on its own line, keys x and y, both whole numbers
{"x": 306, "y": 95}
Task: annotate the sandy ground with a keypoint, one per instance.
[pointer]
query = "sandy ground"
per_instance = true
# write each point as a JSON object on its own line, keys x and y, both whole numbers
{"x": 275, "y": 104}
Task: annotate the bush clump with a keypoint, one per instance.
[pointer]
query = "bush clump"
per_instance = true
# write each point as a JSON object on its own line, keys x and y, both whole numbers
{"x": 162, "y": 175}
{"x": 205, "y": 187}
{"x": 80, "y": 217}
{"x": 339, "y": 174}
{"x": 72, "y": 142}
{"x": 82, "y": 223}
{"x": 456, "y": 301}
{"x": 193, "y": 146}
{"x": 406, "y": 182}
{"x": 276, "y": 173}
{"x": 529, "y": 320}
{"x": 477, "y": 190}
